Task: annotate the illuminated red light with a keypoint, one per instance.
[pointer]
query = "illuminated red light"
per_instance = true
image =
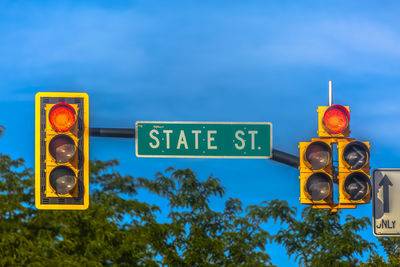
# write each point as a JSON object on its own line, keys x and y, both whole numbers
{"x": 336, "y": 119}
{"x": 62, "y": 117}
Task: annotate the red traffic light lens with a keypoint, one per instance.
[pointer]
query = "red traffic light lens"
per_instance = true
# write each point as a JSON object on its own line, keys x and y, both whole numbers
{"x": 62, "y": 117}
{"x": 336, "y": 119}
{"x": 318, "y": 154}
{"x": 62, "y": 148}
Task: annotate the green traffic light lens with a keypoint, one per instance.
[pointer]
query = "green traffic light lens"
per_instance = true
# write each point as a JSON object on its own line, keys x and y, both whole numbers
{"x": 357, "y": 185}
{"x": 62, "y": 179}
{"x": 62, "y": 148}
{"x": 319, "y": 186}
{"x": 356, "y": 155}
{"x": 318, "y": 154}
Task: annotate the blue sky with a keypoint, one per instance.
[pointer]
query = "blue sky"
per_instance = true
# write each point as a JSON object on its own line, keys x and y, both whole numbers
{"x": 207, "y": 61}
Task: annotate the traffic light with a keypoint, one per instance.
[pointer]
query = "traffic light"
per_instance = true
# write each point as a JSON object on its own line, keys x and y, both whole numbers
{"x": 62, "y": 151}
{"x": 354, "y": 172}
{"x": 333, "y": 121}
{"x": 316, "y": 184}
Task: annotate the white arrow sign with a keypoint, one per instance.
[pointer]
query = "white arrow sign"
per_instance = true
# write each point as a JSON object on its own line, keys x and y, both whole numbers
{"x": 386, "y": 202}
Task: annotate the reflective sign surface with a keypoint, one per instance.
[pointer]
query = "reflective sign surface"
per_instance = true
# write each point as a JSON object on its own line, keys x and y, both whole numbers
{"x": 386, "y": 202}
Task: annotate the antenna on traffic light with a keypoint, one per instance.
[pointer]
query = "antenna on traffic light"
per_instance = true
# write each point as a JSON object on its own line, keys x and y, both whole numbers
{"x": 330, "y": 93}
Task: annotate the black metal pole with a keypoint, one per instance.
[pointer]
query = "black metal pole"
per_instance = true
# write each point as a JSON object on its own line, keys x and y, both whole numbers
{"x": 277, "y": 155}
{"x": 112, "y": 132}
{"x": 285, "y": 158}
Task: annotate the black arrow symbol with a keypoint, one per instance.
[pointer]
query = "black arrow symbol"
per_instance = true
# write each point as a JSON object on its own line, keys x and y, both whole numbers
{"x": 385, "y": 183}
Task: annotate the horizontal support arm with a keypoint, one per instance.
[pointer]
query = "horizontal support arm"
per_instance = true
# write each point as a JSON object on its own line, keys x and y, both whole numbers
{"x": 112, "y": 132}
{"x": 277, "y": 155}
{"x": 285, "y": 158}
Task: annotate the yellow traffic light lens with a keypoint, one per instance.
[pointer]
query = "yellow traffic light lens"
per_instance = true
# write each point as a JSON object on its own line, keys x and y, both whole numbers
{"x": 357, "y": 185}
{"x": 336, "y": 119}
{"x": 356, "y": 155}
{"x": 62, "y": 148}
{"x": 319, "y": 186}
{"x": 62, "y": 179}
{"x": 62, "y": 117}
{"x": 318, "y": 154}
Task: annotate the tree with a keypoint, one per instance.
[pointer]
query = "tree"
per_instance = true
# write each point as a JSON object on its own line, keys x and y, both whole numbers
{"x": 118, "y": 229}
{"x": 391, "y": 247}
{"x": 200, "y": 236}
{"x": 319, "y": 238}
{"x": 16, "y": 200}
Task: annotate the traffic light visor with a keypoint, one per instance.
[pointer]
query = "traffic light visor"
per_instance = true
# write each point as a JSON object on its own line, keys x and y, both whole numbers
{"x": 357, "y": 185}
{"x": 319, "y": 186}
{"x": 62, "y": 117}
{"x": 356, "y": 155}
{"x": 336, "y": 119}
{"x": 318, "y": 154}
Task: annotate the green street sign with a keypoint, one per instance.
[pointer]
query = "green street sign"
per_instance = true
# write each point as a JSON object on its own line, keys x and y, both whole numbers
{"x": 203, "y": 139}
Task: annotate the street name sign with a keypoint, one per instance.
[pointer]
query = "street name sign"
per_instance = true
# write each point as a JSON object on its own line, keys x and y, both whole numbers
{"x": 203, "y": 139}
{"x": 386, "y": 202}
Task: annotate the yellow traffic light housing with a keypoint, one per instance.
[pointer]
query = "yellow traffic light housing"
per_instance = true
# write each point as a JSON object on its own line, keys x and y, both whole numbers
{"x": 354, "y": 172}
{"x": 316, "y": 184}
{"x": 62, "y": 151}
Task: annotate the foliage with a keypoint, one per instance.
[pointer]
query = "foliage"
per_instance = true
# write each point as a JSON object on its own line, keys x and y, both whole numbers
{"x": 319, "y": 238}
{"x": 120, "y": 230}
{"x": 391, "y": 247}
{"x": 201, "y": 236}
